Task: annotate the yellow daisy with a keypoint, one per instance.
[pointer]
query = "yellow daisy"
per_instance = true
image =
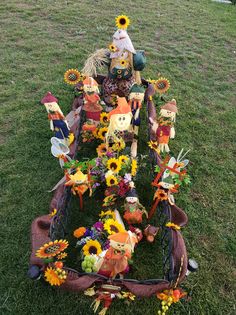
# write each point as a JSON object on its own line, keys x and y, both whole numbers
{"x": 72, "y": 76}
{"x": 102, "y": 133}
{"x": 123, "y": 63}
{"x": 114, "y": 165}
{"x": 162, "y": 85}
{"x": 62, "y": 256}
{"x": 122, "y": 22}
{"x": 113, "y": 226}
{"x": 104, "y": 118}
{"x": 92, "y": 247}
{"x": 123, "y": 159}
{"x": 134, "y": 166}
{"x": 55, "y": 277}
{"x": 112, "y": 47}
{"x": 52, "y": 249}
{"x": 111, "y": 180}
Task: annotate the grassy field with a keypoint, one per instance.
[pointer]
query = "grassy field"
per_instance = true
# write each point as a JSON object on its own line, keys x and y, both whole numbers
{"x": 190, "y": 42}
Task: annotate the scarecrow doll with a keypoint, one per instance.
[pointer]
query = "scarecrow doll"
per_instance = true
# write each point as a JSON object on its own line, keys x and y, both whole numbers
{"x": 164, "y": 126}
{"x": 92, "y": 105}
{"x": 58, "y": 123}
{"x": 134, "y": 210}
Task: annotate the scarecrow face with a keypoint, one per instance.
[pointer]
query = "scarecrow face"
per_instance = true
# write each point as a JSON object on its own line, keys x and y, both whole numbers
{"x": 121, "y": 122}
{"x": 166, "y": 185}
{"x": 119, "y": 35}
{"x": 131, "y": 199}
{"x": 90, "y": 88}
{"x": 53, "y": 106}
{"x": 118, "y": 245}
{"x": 136, "y": 96}
{"x": 167, "y": 113}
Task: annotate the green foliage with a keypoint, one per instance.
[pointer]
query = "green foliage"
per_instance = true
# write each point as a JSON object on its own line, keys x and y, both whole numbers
{"x": 193, "y": 44}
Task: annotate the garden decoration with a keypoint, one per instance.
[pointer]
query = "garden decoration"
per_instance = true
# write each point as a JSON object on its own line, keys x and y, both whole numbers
{"x": 102, "y": 166}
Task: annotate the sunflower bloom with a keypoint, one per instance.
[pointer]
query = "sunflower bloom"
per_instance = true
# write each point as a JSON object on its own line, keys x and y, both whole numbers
{"x": 123, "y": 63}
{"x": 102, "y": 149}
{"x": 92, "y": 247}
{"x": 162, "y": 85}
{"x": 154, "y": 146}
{"x": 52, "y": 249}
{"x": 111, "y": 180}
{"x": 122, "y": 22}
{"x": 112, "y": 47}
{"x": 118, "y": 145}
{"x": 114, "y": 165}
{"x": 123, "y": 159}
{"x": 113, "y": 226}
{"x": 108, "y": 213}
{"x": 134, "y": 166}
{"x": 72, "y": 76}
{"x": 104, "y": 118}
{"x": 102, "y": 133}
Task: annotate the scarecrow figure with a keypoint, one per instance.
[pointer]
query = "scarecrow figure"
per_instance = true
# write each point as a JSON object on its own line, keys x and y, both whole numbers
{"x": 134, "y": 210}
{"x": 116, "y": 258}
{"x": 164, "y": 126}
{"x": 136, "y": 97}
{"x": 123, "y": 61}
{"x": 120, "y": 121}
{"x": 58, "y": 123}
{"x": 92, "y": 105}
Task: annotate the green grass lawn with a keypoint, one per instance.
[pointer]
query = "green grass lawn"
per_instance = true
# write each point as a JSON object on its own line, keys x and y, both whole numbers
{"x": 190, "y": 42}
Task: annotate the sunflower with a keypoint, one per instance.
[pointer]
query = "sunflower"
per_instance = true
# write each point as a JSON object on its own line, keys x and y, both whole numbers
{"x": 108, "y": 213}
{"x": 102, "y": 149}
{"x": 154, "y": 146}
{"x": 118, "y": 145}
{"x": 114, "y": 165}
{"x": 104, "y": 118}
{"x": 160, "y": 194}
{"x": 92, "y": 247}
{"x": 111, "y": 180}
{"x": 72, "y": 76}
{"x": 162, "y": 85}
{"x": 134, "y": 166}
{"x": 62, "y": 256}
{"x": 113, "y": 226}
{"x": 122, "y": 21}
{"x": 96, "y": 133}
{"x": 123, "y": 159}
{"x": 123, "y": 63}
{"x": 79, "y": 232}
{"x": 54, "y": 276}
{"x": 52, "y": 249}
{"x": 112, "y": 47}
{"x": 102, "y": 133}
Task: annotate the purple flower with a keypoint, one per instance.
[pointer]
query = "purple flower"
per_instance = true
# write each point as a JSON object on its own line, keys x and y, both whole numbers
{"x": 106, "y": 245}
{"x": 98, "y": 226}
{"x": 98, "y": 161}
{"x": 127, "y": 178}
{"x": 95, "y": 185}
{"x": 87, "y": 233}
{"x": 109, "y": 154}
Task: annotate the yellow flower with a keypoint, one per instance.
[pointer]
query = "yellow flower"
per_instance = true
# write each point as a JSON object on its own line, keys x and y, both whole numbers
{"x": 102, "y": 133}
{"x": 92, "y": 247}
{"x": 108, "y": 213}
{"x": 111, "y": 180}
{"x": 128, "y": 295}
{"x": 102, "y": 149}
{"x": 62, "y": 256}
{"x": 54, "y": 212}
{"x": 104, "y": 118}
{"x": 52, "y": 249}
{"x": 134, "y": 166}
{"x": 79, "y": 232}
{"x": 113, "y": 226}
{"x": 173, "y": 226}
{"x": 122, "y": 21}
{"x": 123, "y": 159}
{"x": 112, "y": 47}
{"x": 123, "y": 63}
{"x": 154, "y": 146}
{"x": 95, "y": 133}
{"x": 162, "y": 85}
{"x": 109, "y": 200}
{"x": 118, "y": 145}
{"x": 114, "y": 165}
{"x": 72, "y": 76}
{"x": 54, "y": 276}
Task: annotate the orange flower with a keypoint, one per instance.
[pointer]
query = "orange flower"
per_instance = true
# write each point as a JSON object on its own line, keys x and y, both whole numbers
{"x": 79, "y": 232}
{"x": 161, "y": 195}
